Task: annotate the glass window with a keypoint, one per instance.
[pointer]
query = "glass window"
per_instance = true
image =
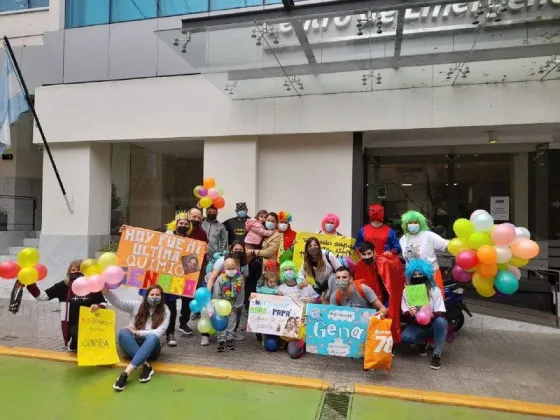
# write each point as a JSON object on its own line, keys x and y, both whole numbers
{"x": 272, "y": 1}
{"x": 233, "y": 4}
{"x": 185, "y": 7}
{"x": 38, "y": 3}
{"x": 15, "y": 5}
{"x": 86, "y": 13}
{"x": 127, "y": 10}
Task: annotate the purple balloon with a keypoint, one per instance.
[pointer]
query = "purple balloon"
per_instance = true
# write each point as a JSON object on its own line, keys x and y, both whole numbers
{"x": 203, "y": 192}
{"x": 461, "y": 275}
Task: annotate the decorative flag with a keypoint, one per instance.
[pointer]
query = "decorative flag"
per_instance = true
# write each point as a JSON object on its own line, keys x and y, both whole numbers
{"x": 12, "y": 101}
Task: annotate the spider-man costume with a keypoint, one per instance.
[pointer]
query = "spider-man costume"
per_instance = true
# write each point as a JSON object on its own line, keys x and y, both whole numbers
{"x": 379, "y": 234}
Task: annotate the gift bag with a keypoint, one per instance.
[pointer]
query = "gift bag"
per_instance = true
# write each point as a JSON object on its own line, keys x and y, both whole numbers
{"x": 378, "y": 353}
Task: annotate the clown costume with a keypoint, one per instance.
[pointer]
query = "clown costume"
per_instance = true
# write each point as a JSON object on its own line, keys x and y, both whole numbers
{"x": 329, "y": 225}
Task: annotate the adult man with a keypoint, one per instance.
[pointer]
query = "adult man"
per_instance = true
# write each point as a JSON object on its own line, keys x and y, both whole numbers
{"x": 215, "y": 231}
{"x": 235, "y": 226}
{"x": 355, "y": 295}
{"x": 378, "y": 233}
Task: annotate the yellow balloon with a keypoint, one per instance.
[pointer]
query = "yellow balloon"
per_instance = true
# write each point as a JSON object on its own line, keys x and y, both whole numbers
{"x": 457, "y": 245}
{"x": 478, "y": 239}
{"x": 518, "y": 262}
{"x": 480, "y": 282}
{"x": 463, "y": 228}
{"x": 486, "y": 292}
{"x": 28, "y": 257}
{"x": 205, "y": 202}
{"x": 223, "y": 307}
{"x": 107, "y": 259}
{"x": 90, "y": 267}
{"x": 28, "y": 275}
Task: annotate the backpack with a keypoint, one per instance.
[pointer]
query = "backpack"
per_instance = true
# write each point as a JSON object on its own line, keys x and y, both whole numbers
{"x": 359, "y": 288}
{"x": 215, "y": 257}
{"x": 343, "y": 261}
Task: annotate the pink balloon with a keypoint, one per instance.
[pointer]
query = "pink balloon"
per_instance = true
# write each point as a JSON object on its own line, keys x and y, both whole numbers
{"x": 203, "y": 192}
{"x": 213, "y": 193}
{"x": 525, "y": 248}
{"x": 423, "y": 317}
{"x": 504, "y": 234}
{"x": 112, "y": 286}
{"x": 466, "y": 259}
{"x": 96, "y": 283}
{"x": 476, "y": 213}
{"x": 461, "y": 275}
{"x": 515, "y": 271}
{"x": 80, "y": 286}
{"x": 113, "y": 274}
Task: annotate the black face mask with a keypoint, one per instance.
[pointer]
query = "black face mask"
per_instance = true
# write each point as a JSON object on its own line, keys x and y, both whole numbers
{"x": 196, "y": 223}
{"x": 418, "y": 280}
{"x": 237, "y": 254}
{"x": 368, "y": 261}
{"x": 182, "y": 230}
{"x": 211, "y": 217}
{"x": 74, "y": 276}
{"x": 314, "y": 252}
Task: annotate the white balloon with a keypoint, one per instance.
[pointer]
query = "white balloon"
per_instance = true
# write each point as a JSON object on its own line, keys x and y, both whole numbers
{"x": 521, "y": 232}
{"x": 483, "y": 222}
{"x": 504, "y": 254}
{"x": 476, "y": 213}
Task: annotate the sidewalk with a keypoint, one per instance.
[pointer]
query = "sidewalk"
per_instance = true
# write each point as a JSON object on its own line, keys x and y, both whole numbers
{"x": 513, "y": 363}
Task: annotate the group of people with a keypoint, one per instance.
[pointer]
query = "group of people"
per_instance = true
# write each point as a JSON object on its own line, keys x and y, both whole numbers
{"x": 245, "y": 255}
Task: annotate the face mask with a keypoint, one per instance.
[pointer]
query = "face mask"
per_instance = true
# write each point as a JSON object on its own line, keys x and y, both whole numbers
{"x": 231, "y": 273}
{"x": 413, "y": 228}
{"x": 289, "y": 275}
{"x": 329, "y": 227}
{"x": 196, "y": 223}
{"x": 211, "y": 217}
{"x": 182, "y": 230}
{"x": 314, "y": 252}
{"x": 242, "y": 213}
{"x": 368, "y": 261}
{"x": 269, "y": 225}
{"x": 418, "y": 280}
{"x": 74, "y": 276}
{"x": 237, "y": 254}
{"x": 153, "y": 301}
{"x": 343, "y": 284}
{"x": 282, "y": 227}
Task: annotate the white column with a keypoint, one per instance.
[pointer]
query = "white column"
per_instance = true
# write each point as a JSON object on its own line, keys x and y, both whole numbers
{"x": 233, "y": 163}
{"x": 520, "y": 189}
{"x": 86, "y": 174}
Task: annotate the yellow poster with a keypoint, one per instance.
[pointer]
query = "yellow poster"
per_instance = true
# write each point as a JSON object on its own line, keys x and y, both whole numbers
{"x": 339, "y": 245}
{"x": 96, "y": 338}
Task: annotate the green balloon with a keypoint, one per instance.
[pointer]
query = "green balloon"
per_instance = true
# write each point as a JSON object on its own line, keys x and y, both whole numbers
{"x": 463, "y": 228}
{"x": 478, "y": 239}
{"x": 204, "y": 326}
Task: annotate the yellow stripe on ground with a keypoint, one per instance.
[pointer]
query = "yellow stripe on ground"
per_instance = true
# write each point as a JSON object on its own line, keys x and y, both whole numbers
{"x": 472, "y": 401}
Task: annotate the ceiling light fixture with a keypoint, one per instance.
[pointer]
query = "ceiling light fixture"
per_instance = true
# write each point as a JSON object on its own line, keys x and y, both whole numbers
{"x": 492, "y": 9}
{"x": 372, "y": 74}
{"x": 293, "y": 80}
{"x": 363, "y": 22}
{"x": 265, "y": 30}
{"x": 230, "y": 86}
{"x": 460, "y": 68}
{"x": 406, "y": 185}
{"x": 182, "y": 41}
{"x": 492, "y": 137}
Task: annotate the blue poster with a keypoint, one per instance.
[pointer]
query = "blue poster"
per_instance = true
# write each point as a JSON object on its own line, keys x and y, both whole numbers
{"x": 337, "y": 330}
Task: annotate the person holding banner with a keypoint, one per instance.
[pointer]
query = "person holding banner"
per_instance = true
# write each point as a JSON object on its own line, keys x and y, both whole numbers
{"x": 330, "y": 224}
{"x": 320, "y": 266}
{"x": 149, "y": 319}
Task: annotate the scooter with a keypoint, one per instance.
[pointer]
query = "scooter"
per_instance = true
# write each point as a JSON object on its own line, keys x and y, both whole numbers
{"x": 454, "y": 305}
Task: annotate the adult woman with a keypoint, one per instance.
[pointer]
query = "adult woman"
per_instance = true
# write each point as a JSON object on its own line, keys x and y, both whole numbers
{"x": 319, "y": 265}
{"x": 270, "y": 245}
{"x": 149, "y": 319}
{"x": 419, "y": 242}
{"x": 330, "y": 224}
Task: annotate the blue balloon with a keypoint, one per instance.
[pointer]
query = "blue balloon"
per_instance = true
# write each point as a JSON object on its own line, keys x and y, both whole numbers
{"x": 203, "y": 296}
{"x": 271, "y": 343}
{"x": 195, "y": 306}
{"x": 219, "y": 322}
{"x": 506, "y": 282}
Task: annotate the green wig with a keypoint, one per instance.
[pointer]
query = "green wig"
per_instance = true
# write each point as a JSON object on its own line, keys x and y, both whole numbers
{"x": 285, "y": 265}
{"x": 412, "y": 216}
{"x": 422, "y": 266}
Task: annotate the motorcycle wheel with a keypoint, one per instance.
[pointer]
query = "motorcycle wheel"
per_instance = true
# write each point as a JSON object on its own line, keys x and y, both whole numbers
{"x": 456, "y": 318}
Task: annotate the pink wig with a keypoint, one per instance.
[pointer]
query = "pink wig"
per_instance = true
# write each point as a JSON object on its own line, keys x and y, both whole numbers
{"x": 332, "y": 218}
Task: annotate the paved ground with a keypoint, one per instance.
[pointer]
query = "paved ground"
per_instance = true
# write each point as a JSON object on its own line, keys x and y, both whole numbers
{"x": 488, "y": 358}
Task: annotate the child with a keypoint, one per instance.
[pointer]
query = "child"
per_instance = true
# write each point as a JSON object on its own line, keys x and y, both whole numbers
{"x": 289, "y": 286}
{"x": 256, "y": 232}
{"x": 69, "y": 303}
{"x": 229, "y": 286}
{"x": 270, "y": 286}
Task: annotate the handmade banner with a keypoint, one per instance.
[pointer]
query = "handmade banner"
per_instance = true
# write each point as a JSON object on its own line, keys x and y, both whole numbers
{"x": 337, "y": 330}
{"x": 275, "y": 315}
{"x": 416, "y": 295}
{"x": 171, "y": 261}
{"x": 341, "y": 246}
{"x": 96, "y": 338}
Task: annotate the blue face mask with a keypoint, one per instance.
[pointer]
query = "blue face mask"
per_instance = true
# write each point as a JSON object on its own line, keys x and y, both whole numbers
{"x": 413, "y": 228}
{"x": 242, "y": 213}
{"x": 269, "y": 225}
{"x": 289, "y": 275}
{"x": 329, "y": 227}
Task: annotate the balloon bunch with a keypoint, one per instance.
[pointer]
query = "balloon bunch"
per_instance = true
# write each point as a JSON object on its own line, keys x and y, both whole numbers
{"x": 424, "y": 315}
{"x": 209, "y": 195}
{"x": 213, "y": 313}
{"x": 27, "y": 269}
{"x": 490, "y": 255}
{"x": 98, "y": 274}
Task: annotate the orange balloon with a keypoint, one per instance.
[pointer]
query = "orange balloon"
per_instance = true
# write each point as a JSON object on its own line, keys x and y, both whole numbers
{"x": 487, "y": 254}
{"x": 487, "y": 270}
{"x": 525, "y": 249}
{"x": 218, "y": 202}
{"x": 209, "y": 183}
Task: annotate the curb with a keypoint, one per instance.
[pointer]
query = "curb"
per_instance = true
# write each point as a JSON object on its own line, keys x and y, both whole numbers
{"x": 458, "y": 400}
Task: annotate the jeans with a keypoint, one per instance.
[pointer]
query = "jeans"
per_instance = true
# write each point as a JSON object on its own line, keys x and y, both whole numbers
{"x": 172, "y": 305}
{"x": 227, "y": 334}
{"x": 416, "y": 334}
{"x": 140, "y": 349}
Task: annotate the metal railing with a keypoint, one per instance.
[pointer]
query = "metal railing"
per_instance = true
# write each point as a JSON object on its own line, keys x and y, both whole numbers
{"x": 23, "y": 198}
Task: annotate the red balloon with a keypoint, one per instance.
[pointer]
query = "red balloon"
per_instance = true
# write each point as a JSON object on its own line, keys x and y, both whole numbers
{"x": 218, "y": 202}
{"x": 466, "y": 259}
{"x": 9, "y": 270}
{"x": 42, "y": 270}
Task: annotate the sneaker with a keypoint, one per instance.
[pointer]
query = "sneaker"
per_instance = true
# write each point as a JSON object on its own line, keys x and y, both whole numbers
{"x": 171, "y": 341}
{"x": 221, "y": 346}
{"x": 147, "y": 373}
{"x": 230, "y": 344}
{"x": 436, "y": 362}
{"x": 422, "y": 349}
{"x": 185, "y": 329}
{"x": 204, "y": 341}
{"x": 238, "y": 337}
{"x": 196, "y": 316}
{"x": 120, "y": 383}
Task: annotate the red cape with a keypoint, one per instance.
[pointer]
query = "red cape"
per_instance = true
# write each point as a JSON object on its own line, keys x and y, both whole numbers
{"x": 289, "y": 238}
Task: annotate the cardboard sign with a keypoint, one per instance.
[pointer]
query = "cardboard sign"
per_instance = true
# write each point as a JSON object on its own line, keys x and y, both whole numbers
{"x": 96, "y": 338}
{"x": 416, "y": 295}
{"x": 337, "y": 330}
{"x": 340, "y": 246}
{"x": 151, "y": 257}
{"x": 275, "y": 315}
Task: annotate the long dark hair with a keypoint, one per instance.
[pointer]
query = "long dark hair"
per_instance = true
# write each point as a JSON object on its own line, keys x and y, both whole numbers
{"x": 144, "y": 311}
{"x": 308, "y": 260}
{"x": 243, "y": 259}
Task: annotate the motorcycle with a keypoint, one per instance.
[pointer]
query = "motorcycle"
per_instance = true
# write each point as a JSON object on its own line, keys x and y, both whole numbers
{"x": 454, "y": 305}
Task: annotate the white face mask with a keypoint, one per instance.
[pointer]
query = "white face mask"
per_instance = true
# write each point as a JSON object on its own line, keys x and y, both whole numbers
{"x": 231, "y": 273}
{"x": 282, "y": 227}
